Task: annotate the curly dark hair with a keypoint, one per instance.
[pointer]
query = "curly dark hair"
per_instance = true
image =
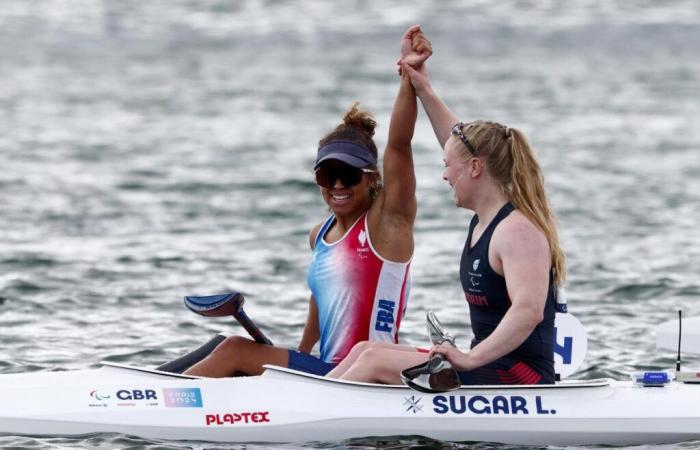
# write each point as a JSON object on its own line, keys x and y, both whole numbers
{"x": 358, "y": 126}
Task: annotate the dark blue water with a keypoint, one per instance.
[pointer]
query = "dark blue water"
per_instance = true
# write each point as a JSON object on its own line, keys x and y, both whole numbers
{"x": 150, "y": 150}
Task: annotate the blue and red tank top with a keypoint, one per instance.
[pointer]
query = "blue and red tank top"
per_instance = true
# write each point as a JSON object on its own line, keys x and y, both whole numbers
{"x": 360, "y": 295}
{"x": 487, "y": 295}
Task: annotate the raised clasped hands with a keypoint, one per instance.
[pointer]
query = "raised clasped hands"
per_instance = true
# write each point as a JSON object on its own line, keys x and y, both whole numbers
{"x": 415, "y": 50}
{"x": 415, "y": 47}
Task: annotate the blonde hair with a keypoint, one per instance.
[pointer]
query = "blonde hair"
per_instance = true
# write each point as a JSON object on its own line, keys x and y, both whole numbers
{"x": 511, "y": 162}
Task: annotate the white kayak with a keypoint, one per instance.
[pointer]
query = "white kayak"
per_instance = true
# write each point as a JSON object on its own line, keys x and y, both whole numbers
{"x": 283, "y": 405}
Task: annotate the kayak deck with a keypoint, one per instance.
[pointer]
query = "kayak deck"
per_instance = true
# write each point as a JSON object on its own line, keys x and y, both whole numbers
{"x": 277, "y": 372}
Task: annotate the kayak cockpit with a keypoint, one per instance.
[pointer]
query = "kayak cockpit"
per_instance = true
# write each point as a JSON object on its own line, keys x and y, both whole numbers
{"x": 284, "y": 373}
{"x": 273, "y": 372}
{"x": 117, "y": 368}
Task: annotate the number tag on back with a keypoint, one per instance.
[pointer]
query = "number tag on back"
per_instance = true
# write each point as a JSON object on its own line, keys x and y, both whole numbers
{"x": 570, "y": 344}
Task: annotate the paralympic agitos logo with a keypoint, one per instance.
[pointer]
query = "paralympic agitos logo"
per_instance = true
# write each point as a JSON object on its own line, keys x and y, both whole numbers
{"x": 99, "y": 396}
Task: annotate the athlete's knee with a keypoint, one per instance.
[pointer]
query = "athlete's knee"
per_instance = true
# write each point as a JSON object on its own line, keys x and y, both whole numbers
{"x": 371, "y": 354}
{"x": 376, "y": 365}
{"x": 362, "y": 346}
{"x": 232, "y": 345}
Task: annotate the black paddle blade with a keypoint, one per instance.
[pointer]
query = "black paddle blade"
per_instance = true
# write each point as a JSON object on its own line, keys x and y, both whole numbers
{"x": 422, "y": 379}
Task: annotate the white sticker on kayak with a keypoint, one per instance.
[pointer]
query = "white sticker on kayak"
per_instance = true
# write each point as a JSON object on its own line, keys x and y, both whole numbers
{"x": 570, "y": 344}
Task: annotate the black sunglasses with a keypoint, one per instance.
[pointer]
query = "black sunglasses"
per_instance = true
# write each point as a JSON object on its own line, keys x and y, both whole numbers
{"x": 457, "y": 131}
{"x": 349, "y": 176}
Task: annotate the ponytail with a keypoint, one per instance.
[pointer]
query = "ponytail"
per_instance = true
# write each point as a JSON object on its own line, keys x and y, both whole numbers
{"x": 513, "y": 165}
{"x": 528, "y": 195}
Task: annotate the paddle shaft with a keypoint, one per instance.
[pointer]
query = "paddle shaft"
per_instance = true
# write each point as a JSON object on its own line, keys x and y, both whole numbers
{"x": 250, "y": 327}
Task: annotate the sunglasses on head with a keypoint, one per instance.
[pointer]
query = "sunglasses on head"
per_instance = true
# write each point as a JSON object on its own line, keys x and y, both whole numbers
{"x": 349, "y": 176}
{"x": 457, "y": 131}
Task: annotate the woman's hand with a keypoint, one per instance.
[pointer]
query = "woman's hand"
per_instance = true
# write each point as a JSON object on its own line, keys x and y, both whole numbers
{"x": 458, "y": 359}
{"x": 419, "y": 77}
{"x": 415, "y": 48}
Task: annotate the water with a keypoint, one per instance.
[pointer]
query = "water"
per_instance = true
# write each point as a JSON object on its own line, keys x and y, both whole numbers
{"x": 150, "y": 150}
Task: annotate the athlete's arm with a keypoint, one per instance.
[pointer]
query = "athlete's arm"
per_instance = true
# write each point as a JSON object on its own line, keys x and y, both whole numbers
{"x": 311, "y": 330}
{"x": 522, "y": 251}
{"x": 441, "y": 118}
{"x": 393, "y": 213}
{"x": 313, "y": 234}
{"x": 399, "y": 174}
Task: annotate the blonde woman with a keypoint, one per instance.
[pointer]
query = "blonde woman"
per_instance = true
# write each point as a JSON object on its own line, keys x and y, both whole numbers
{"x": 510, "y": 266}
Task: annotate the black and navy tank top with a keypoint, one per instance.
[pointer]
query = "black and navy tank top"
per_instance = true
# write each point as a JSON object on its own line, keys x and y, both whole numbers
{"x": 487, "y": 295}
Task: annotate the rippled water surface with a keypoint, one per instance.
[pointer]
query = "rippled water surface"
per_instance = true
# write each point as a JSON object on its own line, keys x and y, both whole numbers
{"x": 150, "y": 150}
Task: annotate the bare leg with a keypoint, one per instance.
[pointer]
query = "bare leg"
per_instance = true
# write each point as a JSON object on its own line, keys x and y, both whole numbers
{"x": 358, "y": 349}
{"x": 238, "y": 355}
{"x": 383, "y": 365}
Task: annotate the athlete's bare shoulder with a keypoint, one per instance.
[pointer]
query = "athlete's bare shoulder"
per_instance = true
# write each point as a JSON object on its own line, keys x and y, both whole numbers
{"x": 518, "y": 235}
{"x": 314, "y": 232}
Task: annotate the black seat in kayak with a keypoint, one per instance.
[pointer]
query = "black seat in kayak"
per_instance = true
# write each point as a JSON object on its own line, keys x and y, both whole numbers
{"x": 184, "y": 362}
